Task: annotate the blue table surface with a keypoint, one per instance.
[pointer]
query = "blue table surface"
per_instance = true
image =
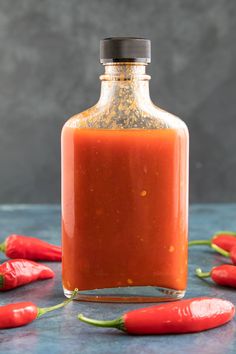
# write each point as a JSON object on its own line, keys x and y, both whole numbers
{"x": 61, "y": 332}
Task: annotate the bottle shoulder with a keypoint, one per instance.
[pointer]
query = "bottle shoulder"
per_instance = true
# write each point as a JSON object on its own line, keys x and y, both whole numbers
{"x": 81, "y": 118}
{"x": 147, "y": 116}
{"x": 166, "y": 119}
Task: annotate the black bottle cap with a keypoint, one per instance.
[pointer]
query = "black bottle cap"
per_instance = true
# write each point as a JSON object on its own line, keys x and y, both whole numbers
{"x": 125, "y": 49}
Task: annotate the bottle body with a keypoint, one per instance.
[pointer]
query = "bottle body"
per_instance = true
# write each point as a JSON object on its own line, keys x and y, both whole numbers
{"x": 125, "y": 199}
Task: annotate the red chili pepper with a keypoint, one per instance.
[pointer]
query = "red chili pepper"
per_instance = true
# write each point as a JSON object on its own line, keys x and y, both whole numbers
{"x": 222, "y": 239}
{"x": 224, "y": 275}
{"x": 19, "y": 246}
{"x": 22, "y": 313}
{"x": 192, "y": 315}
{"x": 18, "y": 272}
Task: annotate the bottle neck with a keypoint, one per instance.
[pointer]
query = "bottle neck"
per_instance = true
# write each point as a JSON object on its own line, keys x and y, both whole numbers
{"x": 125, "y": 82}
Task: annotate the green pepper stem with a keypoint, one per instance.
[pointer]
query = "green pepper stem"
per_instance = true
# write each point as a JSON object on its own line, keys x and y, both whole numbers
{"x": 220, "y": 250}
{"x": 201, "y": 274}
{"x": 199, "y": 242}
{"x": 3, "y": 247}
{"x": 43, "y": 310}
{"x": 116, "y": 323}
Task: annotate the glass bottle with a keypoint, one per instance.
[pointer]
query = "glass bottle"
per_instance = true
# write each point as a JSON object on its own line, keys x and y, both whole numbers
{"x": 125, "y": 188}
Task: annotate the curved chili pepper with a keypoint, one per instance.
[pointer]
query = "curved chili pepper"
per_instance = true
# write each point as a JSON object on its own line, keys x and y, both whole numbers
{"x": 231, "y": 254}
{"x": 224, "y": 275}
{"x": 22, "y": 313}
{"x": 192, "y": 315}
{"x": 222, "y": 239}
{"x": 19, "y": 246}
{"x": 18, "y": 272}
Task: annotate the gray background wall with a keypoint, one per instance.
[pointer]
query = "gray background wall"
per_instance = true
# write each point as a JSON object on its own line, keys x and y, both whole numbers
{"x": 49, "y": 71}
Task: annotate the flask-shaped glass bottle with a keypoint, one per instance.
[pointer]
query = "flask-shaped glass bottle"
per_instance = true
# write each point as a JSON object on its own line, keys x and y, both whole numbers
{"x": 125, "y": 188}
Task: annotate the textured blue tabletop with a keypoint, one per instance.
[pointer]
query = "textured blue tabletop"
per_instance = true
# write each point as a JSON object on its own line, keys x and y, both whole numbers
{"x": 60, "y": 331}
